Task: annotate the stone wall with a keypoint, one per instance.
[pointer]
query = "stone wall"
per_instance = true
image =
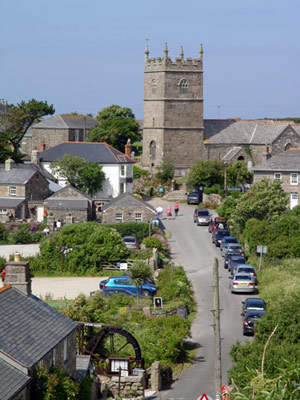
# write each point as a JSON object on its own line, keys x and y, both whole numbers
{"x": 124, "y": 387}
{"x": 51, "y": 138}
{"x": 5, "y": 190}
{"x": 37, "y": 188}
{"x": 129, "y": 214}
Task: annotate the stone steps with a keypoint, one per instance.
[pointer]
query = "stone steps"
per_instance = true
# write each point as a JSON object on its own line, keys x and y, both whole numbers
{"x": 178, "y": 195}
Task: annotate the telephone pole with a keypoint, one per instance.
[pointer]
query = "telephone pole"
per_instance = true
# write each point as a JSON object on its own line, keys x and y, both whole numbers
{"x": 217, "y": 337}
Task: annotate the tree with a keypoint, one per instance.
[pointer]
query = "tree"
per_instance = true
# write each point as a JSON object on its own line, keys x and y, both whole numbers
{"x": 238, "y": 174}
{"x": 264, "y": 201}
{"x": 206, "y": 173}
{"x": 139, "y": 272}
{"x": 116, "y": 126}
{"x": 85, "y": 176}
{"x": 165, "y": 171}
{"x": 17, "y": 120}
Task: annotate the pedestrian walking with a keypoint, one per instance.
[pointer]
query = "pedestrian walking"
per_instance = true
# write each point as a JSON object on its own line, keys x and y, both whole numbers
{"x": 176, "y": 209}
{"x": 169, "y": 211}
{"x": 3, "y": 273}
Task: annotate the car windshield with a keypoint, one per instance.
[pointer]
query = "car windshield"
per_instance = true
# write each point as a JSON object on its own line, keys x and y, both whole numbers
{"x": 234, "y": 247}
{"x": 242, "y": 278}
{"x": 255, "y": 306}
{"x": 239, "y": 260}
{"x": 248, "y": 270}
{"x": 231, "y": 240}
{"x": 222, "y": 233}
{"x": 129, "y": 240}
{"x": 203, "y": 213}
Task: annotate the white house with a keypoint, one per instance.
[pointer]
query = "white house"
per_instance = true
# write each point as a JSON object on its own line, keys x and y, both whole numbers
{"x": 117, "y": 166}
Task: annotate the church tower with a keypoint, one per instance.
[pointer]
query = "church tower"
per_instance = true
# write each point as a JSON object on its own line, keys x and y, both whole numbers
{"x": 173, "y": 111}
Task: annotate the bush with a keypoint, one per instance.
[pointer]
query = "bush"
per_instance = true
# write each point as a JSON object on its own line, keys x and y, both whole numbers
{"x": 138, "y": 229}
{"x": 3, "y": 233}
{"x": 139, "y": 172}
{"x": 165, "y": 171}
{"x": 21, "y": 236}
{"x": 153, "y": 242}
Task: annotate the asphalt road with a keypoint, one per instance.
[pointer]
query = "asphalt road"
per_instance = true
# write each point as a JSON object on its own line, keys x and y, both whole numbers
{"x": 192, "y": 248}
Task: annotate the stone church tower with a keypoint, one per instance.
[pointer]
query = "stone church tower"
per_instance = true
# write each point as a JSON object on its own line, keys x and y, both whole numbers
{"x": 173, "y": 111}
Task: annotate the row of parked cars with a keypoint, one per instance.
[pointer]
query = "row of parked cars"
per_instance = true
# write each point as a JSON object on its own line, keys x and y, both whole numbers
{"x": 243, "y": 278}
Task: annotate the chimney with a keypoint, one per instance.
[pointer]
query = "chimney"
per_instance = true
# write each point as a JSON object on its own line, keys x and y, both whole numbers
{"x": 43, "y": 146}
{"x": 18, "y": 274}
{"x": 8, "y": 164}
{"x": 128, "y": 148}
{"x": 35, "y": 156}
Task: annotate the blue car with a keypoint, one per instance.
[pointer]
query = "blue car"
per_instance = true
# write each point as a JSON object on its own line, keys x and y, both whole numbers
{"x": 125, "y": 282}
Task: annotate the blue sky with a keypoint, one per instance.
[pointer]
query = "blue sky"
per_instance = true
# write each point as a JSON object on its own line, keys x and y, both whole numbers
{"x": 83, "y": 55}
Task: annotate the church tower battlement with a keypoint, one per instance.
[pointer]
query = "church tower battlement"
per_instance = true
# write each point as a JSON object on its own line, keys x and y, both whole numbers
{"x": 173, "y": 111}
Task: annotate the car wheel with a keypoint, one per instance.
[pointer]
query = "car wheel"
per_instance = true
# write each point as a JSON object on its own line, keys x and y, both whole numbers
{"x": 145, "y": 293}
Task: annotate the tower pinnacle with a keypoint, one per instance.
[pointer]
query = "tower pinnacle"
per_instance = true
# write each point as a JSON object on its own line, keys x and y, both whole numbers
{"x": 181, "y": 53}
{"x": 147, "y": 52}
{"x": 166, "y": 51}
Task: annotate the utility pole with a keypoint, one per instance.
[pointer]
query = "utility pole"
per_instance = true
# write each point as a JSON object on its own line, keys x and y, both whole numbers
{"x": 217, "y": 337}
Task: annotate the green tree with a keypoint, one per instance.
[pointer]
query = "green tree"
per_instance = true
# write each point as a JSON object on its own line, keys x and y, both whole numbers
{"x": 238, "y": 174}
{"x": 139, "y": 272}
{"x": 17, "y": 120}
{"x": 165, "y": 171}
{"x": 206, "y": 173}
{"x": 85, "y": 176}
{"x": 116, "y": 125}
{"x": 264, "y": 201}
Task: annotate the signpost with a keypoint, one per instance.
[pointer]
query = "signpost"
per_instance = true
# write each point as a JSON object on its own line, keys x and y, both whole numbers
{"x": 262, "y": 250}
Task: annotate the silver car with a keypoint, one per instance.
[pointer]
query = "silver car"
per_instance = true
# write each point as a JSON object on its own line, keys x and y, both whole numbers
{"x": 242, "y": 283}
{"x": 235, "y": 248}
{"x": 202, "y": 216}
{"x": 245, "y": 268}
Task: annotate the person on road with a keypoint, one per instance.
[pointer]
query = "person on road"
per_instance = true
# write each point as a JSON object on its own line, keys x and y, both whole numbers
{"x": 176, "y": 209}
{"x": 169, "y": 211}
{"x": 3, "y": 273}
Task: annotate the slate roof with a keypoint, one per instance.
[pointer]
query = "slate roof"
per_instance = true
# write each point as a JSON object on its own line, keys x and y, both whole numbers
{"x": 11, "y": 380}
{"x": 67, "y": 204}
{"x": 67, "y": 121}
{"x": 286, "y": 161}
{"x": 101, "y": 153}
{"x": 29, "y": 328}
{"x": 127, "y": 200}
{"x": 11, "y": 202}
{"x": 20, "y": 173}
{"x": 237, "y": 132}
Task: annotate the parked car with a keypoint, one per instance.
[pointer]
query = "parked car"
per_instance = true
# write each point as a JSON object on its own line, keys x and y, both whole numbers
{"x": 235, "y": 260}
{"x": 125, "y": 282}
{"x": 228, "y": 257}
{"x": 253, "y": 304}
{"x": 241, "y": 283}
{"x": 218, "y": 235}
{"x": 202, "y": 216}
{"x": 217, "y": 223}
{"x": 131, "y": 242}
{"x": 194, "y": 198}
{"x": 233, "y": 247}
{"x": 248, "y": 269}
{"x": 104, "y": 282}
{"x": 249, "y": 321}
{"x": 227, "y": 239}
{"x": 108, "y": 292}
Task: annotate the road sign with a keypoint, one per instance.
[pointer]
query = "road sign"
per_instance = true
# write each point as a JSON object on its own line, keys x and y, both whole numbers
{"x": 204, "y": 397}
{"x": 262, "y": 249}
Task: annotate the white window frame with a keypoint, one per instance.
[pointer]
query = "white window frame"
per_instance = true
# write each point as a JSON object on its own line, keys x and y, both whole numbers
{"x": 138, "y": 217}
{"x": 119, "y": 218}
{"x": 3, "y": 211}
{"x": 294, "y": 178}
{"x": 276, "y": 178}
{"x": 123, "y": 170}
{"x": 13, "y": 190}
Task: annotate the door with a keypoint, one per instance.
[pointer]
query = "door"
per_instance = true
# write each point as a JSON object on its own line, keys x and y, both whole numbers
{"x": 293, "y": 200}
{"x": 39, "y": 214}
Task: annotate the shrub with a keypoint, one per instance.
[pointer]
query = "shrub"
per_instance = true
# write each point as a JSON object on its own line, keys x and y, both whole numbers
{"x": 3, "y": 233}
{"x": 139, "y": 230}
{"x": 21, "y": 236}
{"x": 139, "y": 172}
{"x": 165, "y": 171}
{"x": 153, "y": 242}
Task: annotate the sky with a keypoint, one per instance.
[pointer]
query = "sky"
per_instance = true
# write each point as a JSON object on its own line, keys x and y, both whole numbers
{"x": 84, "y": 55}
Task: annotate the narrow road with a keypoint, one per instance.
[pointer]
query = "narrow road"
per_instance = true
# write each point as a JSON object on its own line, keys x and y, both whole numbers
{"x": 191, "y": 247}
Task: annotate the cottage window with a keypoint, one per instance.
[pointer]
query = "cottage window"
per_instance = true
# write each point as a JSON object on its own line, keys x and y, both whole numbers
{"x": 76, "y": 135}
{"x": 183, "y": 86}
{"x": 123, "y": 170}
{"x": 138, "y": 217}
{"x": 277, "y": 176}
{"x": 13, "y": 191}
{"x": 294, "y": 179}
{"x": 3, "y": 211}
{"x": 65, "y": 350}
{"x": 122, "y": 187}
{"x": 119, "y": 217}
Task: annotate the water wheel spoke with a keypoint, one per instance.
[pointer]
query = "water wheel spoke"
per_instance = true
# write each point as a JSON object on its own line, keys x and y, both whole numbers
{"x": 122, "y": 347}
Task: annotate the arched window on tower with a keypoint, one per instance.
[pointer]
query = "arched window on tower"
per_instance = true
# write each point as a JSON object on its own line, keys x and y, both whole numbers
{"x": 287, "y": 146}
{"x": 152, "y": 150}
{"x": 183, "y": 86}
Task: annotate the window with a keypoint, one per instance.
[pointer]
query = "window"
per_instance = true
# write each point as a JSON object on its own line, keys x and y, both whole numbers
{"x": 277, "y": 176}
{"x": 123, "y": 170}
{"x": 153, "y": 84}
{"x": 122, "y": 187}
{"x": 65, "y": 349}
{"x": 294, "y": 179}
{"x": 76, "y": 135}
{"x": 3, "y": 211}
{"x": 138, "y": 217}
{"x": 13, "y": 191}
{"x": 119, "y": 217}
{"x": 152, "y": 150}
{"x": 183, "y": 86}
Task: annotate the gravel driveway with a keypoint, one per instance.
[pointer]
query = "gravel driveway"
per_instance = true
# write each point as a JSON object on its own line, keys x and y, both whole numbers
{"x": 64, "y": 288}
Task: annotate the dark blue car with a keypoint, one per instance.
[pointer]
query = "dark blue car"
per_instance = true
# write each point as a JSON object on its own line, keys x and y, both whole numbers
{"x": 125, "y": 282}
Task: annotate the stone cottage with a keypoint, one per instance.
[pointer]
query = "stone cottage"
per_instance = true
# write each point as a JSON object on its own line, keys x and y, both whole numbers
{"x": 32, "y": 334}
